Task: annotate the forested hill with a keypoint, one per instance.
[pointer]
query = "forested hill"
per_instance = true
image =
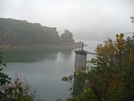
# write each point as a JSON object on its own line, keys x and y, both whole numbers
{"x": 18, "y": 32}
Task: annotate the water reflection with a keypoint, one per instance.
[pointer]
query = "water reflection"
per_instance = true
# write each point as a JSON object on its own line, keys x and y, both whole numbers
{"x": 35, "y": 55}
{"x": 66, "y": 54}
{"x": 42, "y": 69}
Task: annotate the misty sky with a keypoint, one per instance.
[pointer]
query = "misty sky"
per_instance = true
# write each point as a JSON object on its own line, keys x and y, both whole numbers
{"x": 75, "y": 15}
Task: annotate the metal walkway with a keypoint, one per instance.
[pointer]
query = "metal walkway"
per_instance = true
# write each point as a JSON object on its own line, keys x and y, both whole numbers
{"x": 91, "y": 53}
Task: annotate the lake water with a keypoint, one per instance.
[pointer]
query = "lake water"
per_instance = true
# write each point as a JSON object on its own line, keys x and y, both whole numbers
{"x": 44, "y": 69}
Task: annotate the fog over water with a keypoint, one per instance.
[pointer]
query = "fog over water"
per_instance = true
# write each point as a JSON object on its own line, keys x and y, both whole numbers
{"x": 86, "y": 19}
{"x": 44, "y": 69}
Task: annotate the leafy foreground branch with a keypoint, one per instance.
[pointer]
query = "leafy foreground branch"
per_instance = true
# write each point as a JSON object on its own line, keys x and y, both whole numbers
{"x": 15, "y": 89}
{"x": 110, "y": 76}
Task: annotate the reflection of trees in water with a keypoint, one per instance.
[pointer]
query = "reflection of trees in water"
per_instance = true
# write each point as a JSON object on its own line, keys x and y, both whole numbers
{"x": 29, "y": 55}
{"x": 66, "y": 54}
{"x": 35, "y": 55}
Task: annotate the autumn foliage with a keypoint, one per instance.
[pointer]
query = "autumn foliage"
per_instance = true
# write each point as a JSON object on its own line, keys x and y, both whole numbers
{"x": 110, "y": 76}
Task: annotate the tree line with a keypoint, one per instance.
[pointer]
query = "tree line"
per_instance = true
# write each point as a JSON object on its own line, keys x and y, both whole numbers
{"x": 18, "y": 32}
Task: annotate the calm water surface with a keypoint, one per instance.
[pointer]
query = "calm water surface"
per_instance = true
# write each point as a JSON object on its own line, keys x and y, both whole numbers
{"x": 44, "y": 69}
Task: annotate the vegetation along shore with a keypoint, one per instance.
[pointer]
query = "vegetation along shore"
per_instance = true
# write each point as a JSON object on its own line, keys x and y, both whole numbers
{"x": 18, "y": 34}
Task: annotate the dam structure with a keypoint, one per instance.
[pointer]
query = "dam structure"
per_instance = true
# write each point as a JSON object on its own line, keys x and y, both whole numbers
{"x": 80, "y": 59}
{"x": 80, "y": 66}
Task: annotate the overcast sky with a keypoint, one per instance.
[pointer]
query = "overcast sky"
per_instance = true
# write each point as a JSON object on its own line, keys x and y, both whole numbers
{"x": 74, "y": 15}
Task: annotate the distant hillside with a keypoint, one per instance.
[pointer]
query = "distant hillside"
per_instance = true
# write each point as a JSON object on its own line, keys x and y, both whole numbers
{"x": 96, "y": 33}
{"x": 95, "y": 36}
{"x": 18, "y": 32}
{"x": 86, "y": 35}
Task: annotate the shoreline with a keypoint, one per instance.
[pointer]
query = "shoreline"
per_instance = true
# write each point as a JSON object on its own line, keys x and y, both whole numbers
{"x": 41, "y": 47}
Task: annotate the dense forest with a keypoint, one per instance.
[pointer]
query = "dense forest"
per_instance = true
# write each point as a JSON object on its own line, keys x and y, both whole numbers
{"x": 17, "y": 32}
